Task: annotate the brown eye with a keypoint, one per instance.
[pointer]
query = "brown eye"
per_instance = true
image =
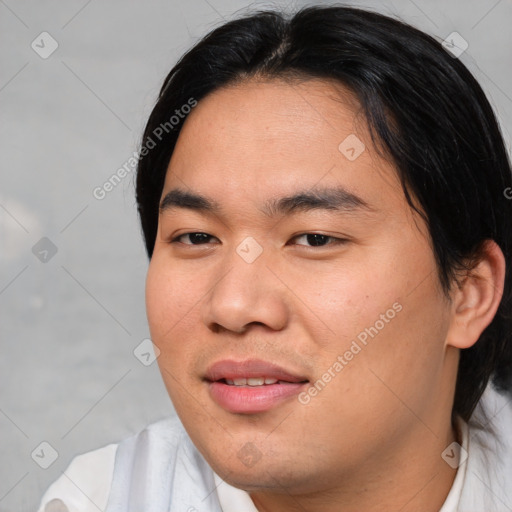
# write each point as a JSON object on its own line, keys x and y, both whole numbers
{"x": 194, "y": 238}
{"x": 318, "y": 239}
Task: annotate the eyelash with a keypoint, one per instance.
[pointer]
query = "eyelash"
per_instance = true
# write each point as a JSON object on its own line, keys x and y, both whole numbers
{"x": 336, "y": 240}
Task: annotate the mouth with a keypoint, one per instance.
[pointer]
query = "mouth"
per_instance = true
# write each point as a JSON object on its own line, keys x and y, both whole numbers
{"x": 251, "y": 386}
{"x": 253, "y": 381}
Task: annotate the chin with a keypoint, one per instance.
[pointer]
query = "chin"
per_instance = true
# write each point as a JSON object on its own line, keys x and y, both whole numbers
{"x": 263, "y": 474}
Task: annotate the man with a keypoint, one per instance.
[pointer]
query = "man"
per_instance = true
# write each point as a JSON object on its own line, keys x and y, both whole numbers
{"x": 324, "y": 204}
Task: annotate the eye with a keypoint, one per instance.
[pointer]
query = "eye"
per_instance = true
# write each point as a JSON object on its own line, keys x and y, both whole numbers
{"x": 194, "y": 238}
{"x": 319, "y": 240}
{"x": 313, "y": 239}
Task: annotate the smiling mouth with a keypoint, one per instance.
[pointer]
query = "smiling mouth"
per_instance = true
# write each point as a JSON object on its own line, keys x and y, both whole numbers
{"x": 252, "y": 372}
{"x": 254, "y": 381}
{"x": 253, "y": 395}
{"x": 251, "y": 386}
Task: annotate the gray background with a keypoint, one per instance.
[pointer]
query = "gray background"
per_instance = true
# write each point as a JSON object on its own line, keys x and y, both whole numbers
{"x": 69, "y": 325}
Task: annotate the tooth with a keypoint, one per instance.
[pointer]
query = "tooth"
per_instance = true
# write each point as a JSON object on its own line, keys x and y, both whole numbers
{"x": 252, "y": 381}
{"x": 256, "y": 381}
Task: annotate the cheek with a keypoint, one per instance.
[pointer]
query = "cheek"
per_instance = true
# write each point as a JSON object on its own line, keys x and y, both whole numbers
{"x": 344, "y": 298}
{"x": 388, "y": 319}
{"x": 391, "y": 360}
{"x": 159, "y": 299}
{"x": 170, "y": 298}
{"x": 384, "y": 384}
{"x": 173, "y": 300}
{"x": 167, "y": 308}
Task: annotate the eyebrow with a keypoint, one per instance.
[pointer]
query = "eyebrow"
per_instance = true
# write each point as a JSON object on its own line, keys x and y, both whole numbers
{"x": 338, "y": 199}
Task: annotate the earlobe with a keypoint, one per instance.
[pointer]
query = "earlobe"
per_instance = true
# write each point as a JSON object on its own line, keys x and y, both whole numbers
{"x": 477, "y": 298}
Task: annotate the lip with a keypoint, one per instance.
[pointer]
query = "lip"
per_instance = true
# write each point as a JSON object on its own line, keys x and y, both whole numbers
{"x": 251, "y": 399}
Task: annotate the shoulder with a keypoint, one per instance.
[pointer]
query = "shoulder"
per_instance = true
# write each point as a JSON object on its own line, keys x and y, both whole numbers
{"x": 86, "y": 483}
{"x": 489, "y": 471}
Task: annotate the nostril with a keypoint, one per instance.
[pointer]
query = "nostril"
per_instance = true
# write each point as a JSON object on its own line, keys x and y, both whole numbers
{"x": 217, "y": 328}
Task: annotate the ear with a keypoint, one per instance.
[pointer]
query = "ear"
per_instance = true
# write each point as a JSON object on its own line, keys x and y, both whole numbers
{"x": 476, "y": 298}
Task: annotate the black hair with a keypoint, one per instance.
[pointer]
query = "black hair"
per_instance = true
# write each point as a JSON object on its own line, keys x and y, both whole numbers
{"x": 422, "y": 106}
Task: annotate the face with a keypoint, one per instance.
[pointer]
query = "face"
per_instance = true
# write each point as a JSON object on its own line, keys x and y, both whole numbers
{"x": 296, "y": 306}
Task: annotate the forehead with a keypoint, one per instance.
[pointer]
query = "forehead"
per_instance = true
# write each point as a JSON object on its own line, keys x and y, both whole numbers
{"x": 280, "y": 114}
{"x": 267, "y": 138}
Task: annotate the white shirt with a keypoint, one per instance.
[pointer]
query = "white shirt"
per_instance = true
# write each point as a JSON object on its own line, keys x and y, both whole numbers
{"x": 483, "y": 482}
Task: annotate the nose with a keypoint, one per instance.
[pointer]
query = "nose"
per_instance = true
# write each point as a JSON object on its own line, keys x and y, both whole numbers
{"x": 245, "y": 293}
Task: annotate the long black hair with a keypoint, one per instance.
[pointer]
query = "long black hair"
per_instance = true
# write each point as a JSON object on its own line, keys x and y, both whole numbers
{"x": 424, "y": 109}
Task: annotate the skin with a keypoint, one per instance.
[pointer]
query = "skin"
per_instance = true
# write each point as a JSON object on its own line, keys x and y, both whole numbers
{"x": 372, "y": 438}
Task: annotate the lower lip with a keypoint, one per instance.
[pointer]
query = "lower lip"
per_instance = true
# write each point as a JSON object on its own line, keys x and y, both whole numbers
{"x": 252, "y": 399}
